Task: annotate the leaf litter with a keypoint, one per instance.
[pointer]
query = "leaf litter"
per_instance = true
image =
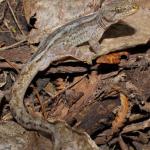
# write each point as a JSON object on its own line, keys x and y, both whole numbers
{"x": 109, "y": 100}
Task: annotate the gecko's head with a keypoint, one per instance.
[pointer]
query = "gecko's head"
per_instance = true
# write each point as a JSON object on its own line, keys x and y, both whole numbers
{"x": 114, "y": 10}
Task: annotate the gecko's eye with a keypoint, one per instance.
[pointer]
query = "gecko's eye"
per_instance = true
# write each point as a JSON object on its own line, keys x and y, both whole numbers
{"x": 135, "y": 6}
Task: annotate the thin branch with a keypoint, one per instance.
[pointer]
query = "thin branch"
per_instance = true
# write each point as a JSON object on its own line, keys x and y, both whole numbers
{"x": 7, "y": 65}
{"x": 12, "y": 65}
{"x": 137, "y": 126}
{"x": 13, "y": 14}
{"x": 13, "y": 45}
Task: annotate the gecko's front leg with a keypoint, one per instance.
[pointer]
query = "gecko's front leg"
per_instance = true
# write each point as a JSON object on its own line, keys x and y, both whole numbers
{"x": 95, "y": 45}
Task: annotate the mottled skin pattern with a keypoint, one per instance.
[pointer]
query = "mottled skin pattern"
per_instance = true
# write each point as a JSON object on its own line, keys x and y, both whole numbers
{"x": 62, "y": 44}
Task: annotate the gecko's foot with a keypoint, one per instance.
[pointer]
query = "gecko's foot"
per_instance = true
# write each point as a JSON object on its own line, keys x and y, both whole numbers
{"x": 95, "y": 46}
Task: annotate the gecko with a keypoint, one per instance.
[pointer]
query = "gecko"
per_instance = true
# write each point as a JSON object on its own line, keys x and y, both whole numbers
{"x": 60, "y": 45}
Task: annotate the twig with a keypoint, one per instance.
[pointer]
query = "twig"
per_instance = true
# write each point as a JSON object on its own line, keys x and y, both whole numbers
{"x": 12, "y": 65}
{"x": 13, "y": 45}
{"x": 7, "y": 65}
{"x": 122, "y": 144}
{"x": 137, "y": 126}
{"x": 13, "y": 14}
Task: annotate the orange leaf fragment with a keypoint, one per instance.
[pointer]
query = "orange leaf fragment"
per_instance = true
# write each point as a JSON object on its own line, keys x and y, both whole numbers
{"x": 113, "y": 58}
{"x": 122, "y": 113}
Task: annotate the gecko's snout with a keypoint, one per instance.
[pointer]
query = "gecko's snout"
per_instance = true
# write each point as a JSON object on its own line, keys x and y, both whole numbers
{"x": 135, "y": 7}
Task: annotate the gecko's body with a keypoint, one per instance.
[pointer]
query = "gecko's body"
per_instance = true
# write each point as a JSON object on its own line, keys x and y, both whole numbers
{"x": 61, "y": 44}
